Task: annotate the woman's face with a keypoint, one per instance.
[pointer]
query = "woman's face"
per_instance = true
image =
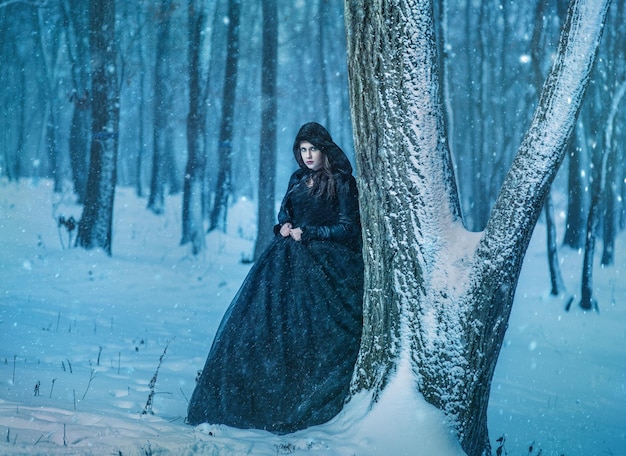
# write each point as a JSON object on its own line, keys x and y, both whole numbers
{"x": 311, "y": 156}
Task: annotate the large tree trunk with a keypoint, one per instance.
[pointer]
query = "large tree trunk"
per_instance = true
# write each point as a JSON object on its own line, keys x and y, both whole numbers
{"x": 432, "y": 296}
{"x": 267, "y": 149}
{"x": 95, "y": 226}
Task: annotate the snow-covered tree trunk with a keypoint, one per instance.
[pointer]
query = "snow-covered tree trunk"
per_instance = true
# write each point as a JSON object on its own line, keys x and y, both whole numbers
{"x": 95, "y": 226}
{"x": 438, "y": 297}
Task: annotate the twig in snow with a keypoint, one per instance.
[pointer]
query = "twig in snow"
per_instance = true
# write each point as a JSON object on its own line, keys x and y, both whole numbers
{"x": 148, "y": 408}
{"x": 91, "y": 377}
{"x": 183, "y": 393}
{"x": 52, "y": 387}
{"x": 501, "y": 449}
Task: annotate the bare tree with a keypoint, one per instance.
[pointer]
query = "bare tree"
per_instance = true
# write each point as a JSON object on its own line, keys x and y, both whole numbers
{"x": 267, "y": 144}
{"x": 95, "y": 226}
{"x": 434, "y": 298}
{"x": 76, "y": 21}
{"x": 161, "y": 140}
{"x": 574, "y": 236}
{"x": 557, "y": 285}
{"x": 223, "y": 185}
{"x": 193, "y": 226}
{"x": 322, "y": 23}
{"x": 615, "y": 164}
{"x": 49, "y": 42}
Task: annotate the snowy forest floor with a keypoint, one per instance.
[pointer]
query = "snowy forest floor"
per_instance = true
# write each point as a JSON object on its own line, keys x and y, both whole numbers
{"x": 87, "y": 340}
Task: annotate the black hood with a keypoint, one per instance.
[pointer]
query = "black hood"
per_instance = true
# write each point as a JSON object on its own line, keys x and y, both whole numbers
{"x": 320, "y": 138}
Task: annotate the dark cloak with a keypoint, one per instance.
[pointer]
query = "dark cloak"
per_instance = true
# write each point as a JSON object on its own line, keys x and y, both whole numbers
{"x": 283, "y": 356}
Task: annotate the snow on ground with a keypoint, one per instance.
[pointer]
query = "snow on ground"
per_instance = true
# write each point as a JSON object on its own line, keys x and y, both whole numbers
{"x": 98, "y": 354}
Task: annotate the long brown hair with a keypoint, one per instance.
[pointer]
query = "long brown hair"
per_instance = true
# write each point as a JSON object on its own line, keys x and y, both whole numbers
{"x": 322, "y": 181}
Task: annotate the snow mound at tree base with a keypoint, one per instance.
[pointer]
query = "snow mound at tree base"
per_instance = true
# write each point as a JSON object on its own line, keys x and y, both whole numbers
{"x": 400, "y": 423}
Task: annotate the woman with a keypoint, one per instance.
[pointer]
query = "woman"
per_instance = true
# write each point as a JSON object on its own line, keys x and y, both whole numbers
{"x": 283, "y": 356}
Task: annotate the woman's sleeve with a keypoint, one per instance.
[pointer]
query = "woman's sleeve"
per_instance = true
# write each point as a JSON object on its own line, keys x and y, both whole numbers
{"x": 285, "y": 214}
{"x": 348, "y": 226}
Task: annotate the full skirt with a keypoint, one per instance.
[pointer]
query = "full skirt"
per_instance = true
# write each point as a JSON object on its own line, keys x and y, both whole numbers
{"x": 283, "y": 356}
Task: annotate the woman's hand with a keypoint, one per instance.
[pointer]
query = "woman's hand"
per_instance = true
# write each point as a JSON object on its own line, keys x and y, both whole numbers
{"x": 288, "y": 230}
{"x": 285, "y": 230}
{"x": 296, "y": 234}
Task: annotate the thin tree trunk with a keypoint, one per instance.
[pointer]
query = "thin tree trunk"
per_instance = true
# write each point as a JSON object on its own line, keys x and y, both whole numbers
{"x": 223, "y": 185}
{"x": 156, "y": 200}
{"x": 76, "y": 20}
{"x": 141, "y": 130}
{"x": 321, "y": 60}
{"x": 267, "y": 143}
{"x": 17, "y": 164}
{"x": 598, "y": 187}
{"x": 587, "y": 302}
{"x": 611, "y": 183}
{"x": 52, "y": 112}
{"x": 575, "y": 222}
{"x": 622, "y": 190}
{"x": 193, "y": 227}
{"x": 557, "y": 285}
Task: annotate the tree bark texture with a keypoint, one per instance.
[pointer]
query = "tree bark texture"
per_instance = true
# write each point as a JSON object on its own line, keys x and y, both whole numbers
{"x": 95, "y": 226}
{"x": 435, "y": 294}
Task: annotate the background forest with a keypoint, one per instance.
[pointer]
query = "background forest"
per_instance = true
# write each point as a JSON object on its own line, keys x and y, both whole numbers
{"x": 494, "y": 53}
{"x": 190, "y": 109}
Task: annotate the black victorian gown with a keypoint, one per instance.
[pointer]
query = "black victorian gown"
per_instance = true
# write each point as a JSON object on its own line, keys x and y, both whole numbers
{"x": 283, "y": 356}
